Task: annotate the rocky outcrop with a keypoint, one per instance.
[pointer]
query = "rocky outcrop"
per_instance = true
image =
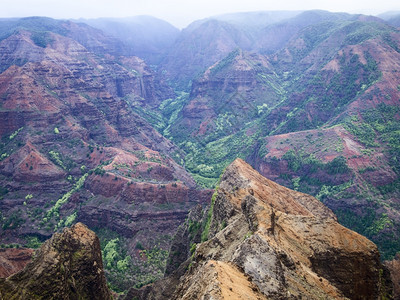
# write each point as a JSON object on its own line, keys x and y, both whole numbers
{"x": 394, "y": 269}
{"x": 268, "y": 242}
{"x": 68, "y": 266}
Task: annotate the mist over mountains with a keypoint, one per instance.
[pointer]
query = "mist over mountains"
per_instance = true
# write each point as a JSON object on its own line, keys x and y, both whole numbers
{"x": 127, "y": 124}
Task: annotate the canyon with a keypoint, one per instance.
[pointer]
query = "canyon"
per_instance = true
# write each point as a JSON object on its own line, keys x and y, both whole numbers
{"x": 129, "y": 134}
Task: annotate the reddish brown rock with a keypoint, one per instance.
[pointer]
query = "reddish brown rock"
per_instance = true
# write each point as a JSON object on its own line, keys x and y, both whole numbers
{"x": 68, "y": 108}
{"x": 28, "y": 164}
{"x": 14, "y": 260}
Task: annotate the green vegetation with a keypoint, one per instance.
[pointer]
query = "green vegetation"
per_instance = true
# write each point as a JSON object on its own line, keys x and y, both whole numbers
{"x": 170, "y": 109}
{"x": 41, "y": 39}
{"x": 56, "y": 158}
{"x": 370, "y": 224}
{"x": 378, "y": 225}
{"x": 139, "y": 246}
{"x": 111, "y": 256}
{"x": 194, "y": 228}
{"x": 70, "y": 219}
{"x": 337, "y": 166}
{"x": 124, "y": 270}
{"x": 153, "y": 117}
{"x": 364, "y": 132}
{"x": 362, "y": 31}
{"x": 32, "y": 242}
{"x": 327, "y": 191}
{"x": 15, "y": 133}
{"x": 13, "y": 245}
{"x": 232, "y": 120}
{"x": 13, "y": 221}
{"x": 227, "y": 136}
{"x": 225, "y": 62}
{"x": 206, "y": 230}
{"x": 3, "y": 156}
{"x": 54, "y": 211}
{"x": 308, "y": 164}
{"x": 247, "y": 235}
{"x": 193, "y": 248}
{"x": 116, "y": 263}
{"x": 206, "y": 161}
{"x": 385, "y": 128}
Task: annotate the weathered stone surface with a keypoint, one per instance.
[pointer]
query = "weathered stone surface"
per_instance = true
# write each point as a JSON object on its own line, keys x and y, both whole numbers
{"x": 394, "y": 269}
{"x": 68, "y": 266}
{"x": 274, "y": 243}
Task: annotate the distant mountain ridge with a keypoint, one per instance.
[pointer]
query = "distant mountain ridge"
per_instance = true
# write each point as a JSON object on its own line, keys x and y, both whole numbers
{"x": 339, "y": 72}
{"x": 93, "y": 39}
{"x": 146, "y": 36}
{"x": 91, "y": 132}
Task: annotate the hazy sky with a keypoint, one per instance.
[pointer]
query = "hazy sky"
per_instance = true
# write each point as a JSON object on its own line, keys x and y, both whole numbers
{"x": 179, "y": 12}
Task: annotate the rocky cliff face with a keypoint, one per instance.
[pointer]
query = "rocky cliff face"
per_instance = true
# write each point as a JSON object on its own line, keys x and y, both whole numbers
{"x": 68, "y": 266}
{"x": 394, "y": 268}
{"x": 73, "y": 147}
{"x": 229, "y": 92}
{"x": 268, "y": 242}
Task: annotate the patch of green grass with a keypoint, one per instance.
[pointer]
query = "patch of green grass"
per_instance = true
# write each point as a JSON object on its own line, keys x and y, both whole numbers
{"x": 206, "y": 230}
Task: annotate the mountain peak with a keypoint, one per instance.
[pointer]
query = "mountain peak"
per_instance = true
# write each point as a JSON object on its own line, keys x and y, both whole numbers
{"x": 240, "y": 175}
{"x": 277, "y": 243}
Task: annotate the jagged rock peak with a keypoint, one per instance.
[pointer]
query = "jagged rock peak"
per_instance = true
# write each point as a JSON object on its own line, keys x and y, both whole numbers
{"x": 240, "y": 175}
{"x": 293, "y": 246}
{"x": 269, "y": 242}
{"x": 68, "y": 266}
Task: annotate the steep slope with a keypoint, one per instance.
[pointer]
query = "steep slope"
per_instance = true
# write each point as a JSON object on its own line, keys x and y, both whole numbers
{"x": 320, "y": 115}
{"x": 92, "y": 39}
{"x": 207, "y": 41}
{"x": 218, "y": 114}
{"x": 352, "y": 166}
{"x": 329, "y": 66}
{"x": 202, "y": 43}
{"x": 73, "y": 149}
{"x": 238, "y": 84}
{"x": 68, "y": 266}
{"x": 392, "y": 17}
{"x": 265, "y": 241}
{"x": 293, "y": 90}
{"x": 276, "y": 35}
